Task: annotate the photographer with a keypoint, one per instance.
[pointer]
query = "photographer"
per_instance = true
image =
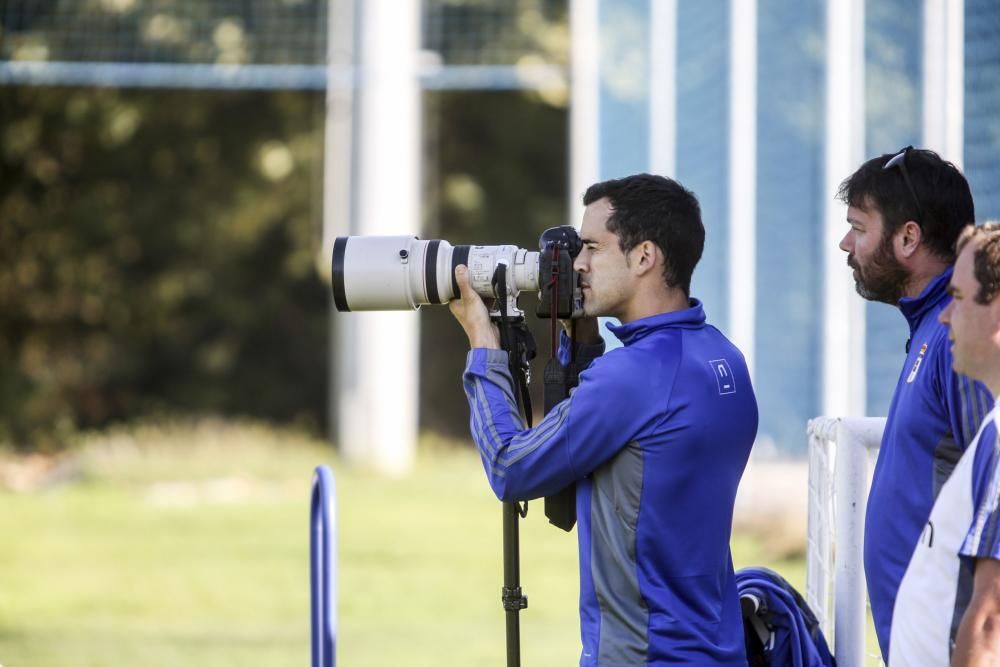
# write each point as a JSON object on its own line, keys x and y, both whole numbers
{"x": 655, "y": 436}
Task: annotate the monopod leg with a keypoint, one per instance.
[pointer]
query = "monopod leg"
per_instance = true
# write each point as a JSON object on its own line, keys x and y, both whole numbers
{"x": 513, "y": 600}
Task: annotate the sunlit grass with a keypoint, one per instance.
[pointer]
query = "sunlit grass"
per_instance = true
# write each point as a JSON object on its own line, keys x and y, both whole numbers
{"x": 188, "y": 545}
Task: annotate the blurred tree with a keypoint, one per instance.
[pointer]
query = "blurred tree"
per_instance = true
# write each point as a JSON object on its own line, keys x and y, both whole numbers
{"x": 158, "y": 248}
{"x": 495, "y": 173}
{"x": 157, "y": 253}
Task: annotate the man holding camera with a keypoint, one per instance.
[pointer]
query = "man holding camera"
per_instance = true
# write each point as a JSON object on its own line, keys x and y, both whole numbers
{"x": 905, "y": 213}
{"x": 655, "y": 436}
{"x": 947, "y": 610}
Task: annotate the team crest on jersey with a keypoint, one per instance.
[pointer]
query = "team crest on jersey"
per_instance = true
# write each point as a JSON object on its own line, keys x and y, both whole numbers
{"x": 916, "y": 364}
{"x": 723, "y": 376}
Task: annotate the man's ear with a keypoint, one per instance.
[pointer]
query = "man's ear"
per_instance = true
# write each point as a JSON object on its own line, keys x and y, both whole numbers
{"x": 908, "y": 238}
{"x": 645, "y": 256}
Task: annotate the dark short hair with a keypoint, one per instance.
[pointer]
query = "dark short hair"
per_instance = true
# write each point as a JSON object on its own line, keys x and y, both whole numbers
{"x": 943, "y": 192}
{"x": 653, "y": 208}
{"x": 986, "y": 260}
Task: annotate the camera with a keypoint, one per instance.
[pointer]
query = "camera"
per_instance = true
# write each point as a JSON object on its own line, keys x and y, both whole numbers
{"x": 405, "y": 272}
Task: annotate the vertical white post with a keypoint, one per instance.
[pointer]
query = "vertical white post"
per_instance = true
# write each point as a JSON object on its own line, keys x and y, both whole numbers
{"x": 584, "y": 154}
{"x": 378, "y": 356}
{"x": 663, "y": 87}
{"x": 843, "y": 309}
{"x": 743, "y": 174}
{"x": 338, "y": 130}
{"x": 337, "y": 148}
{"x": 850, "y": 592}
{"x": 944, "y": 77}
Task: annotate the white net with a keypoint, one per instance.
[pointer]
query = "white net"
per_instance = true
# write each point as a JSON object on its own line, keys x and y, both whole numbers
{"x": 496, "y": 32}
{"x": 164, "y": 43}
{"x": 235, "y": 32}
{"x": 267, "y": 43}
{"x": 820, "y": 534}
{"x": 840, "y": 455}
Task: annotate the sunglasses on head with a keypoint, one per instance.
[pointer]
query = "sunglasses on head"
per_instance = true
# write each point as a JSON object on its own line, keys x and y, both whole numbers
{"x": 898, "y": 161}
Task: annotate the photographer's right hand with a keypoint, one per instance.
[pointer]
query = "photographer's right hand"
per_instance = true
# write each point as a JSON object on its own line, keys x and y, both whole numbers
{"x": 471, "y": 313}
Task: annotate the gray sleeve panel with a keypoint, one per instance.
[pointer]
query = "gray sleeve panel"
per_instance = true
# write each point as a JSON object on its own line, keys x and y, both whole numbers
{"x": 614, "y": 512}
{"x": 946, "y": 456}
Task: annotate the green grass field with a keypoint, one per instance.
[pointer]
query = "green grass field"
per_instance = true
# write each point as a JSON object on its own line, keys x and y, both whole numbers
{"x": 188, "y": 545}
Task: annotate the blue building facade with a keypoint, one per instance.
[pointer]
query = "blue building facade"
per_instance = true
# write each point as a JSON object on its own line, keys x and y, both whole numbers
{"x": 791, "y": 193}
{"x": 893, "y": 113}
{"x": 982, "y": 105}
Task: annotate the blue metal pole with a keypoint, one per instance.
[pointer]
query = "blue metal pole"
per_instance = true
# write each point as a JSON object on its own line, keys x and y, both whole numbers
{"x": 323, "y": 568}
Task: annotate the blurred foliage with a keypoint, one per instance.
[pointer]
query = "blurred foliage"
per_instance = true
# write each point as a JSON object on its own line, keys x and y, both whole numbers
{"x": 158, "y": 249}
{"x": 495, "y": 173}
{"x": 157, "y": 254}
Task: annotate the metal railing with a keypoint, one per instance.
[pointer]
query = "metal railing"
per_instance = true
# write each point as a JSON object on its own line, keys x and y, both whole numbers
{"x": 323, "y": 568}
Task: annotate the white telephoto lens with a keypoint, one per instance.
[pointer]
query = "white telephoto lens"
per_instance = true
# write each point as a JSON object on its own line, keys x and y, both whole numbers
{"x": 404, "y": 272}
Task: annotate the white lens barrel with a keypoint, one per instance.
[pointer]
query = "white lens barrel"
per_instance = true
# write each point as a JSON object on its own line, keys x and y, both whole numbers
{"x": 526, "y": 271}
{"x": 377, "y": 273}
{"x": 403, "y": 272}
{"x": 522, "y": 268}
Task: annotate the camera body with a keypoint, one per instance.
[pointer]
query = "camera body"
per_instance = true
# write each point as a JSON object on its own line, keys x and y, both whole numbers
{"x": 560, "y": 295}
{"x": 405, "y": 272}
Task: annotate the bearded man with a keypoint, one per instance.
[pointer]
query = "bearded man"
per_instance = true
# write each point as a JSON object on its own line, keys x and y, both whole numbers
{"x": 906, "y": 211}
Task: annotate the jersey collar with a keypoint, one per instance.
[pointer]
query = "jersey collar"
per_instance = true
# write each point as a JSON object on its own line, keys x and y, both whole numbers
{"x": 914, "y": 308}
{"x": 692, "y": 317}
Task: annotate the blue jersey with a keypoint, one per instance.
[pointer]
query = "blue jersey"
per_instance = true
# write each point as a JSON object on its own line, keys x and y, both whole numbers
{"x": 933, "y": 416}
{"x": 656, "y": 436}
{"x": 937, "y": 587}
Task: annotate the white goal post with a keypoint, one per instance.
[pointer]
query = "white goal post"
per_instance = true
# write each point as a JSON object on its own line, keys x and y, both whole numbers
{"x": 840, "y": 451}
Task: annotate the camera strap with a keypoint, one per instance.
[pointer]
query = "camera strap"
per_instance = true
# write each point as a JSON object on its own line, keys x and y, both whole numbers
{"x": 560, "y": 507}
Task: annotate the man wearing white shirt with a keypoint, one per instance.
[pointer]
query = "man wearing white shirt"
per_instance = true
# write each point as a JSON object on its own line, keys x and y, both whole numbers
{"x": 947, "y": 610}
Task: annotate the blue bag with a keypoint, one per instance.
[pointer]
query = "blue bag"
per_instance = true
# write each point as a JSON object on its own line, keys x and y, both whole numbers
{"x": 779, "y": 628}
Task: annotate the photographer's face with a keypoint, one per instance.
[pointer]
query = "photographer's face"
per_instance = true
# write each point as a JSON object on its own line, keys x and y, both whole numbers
{"x": 603, "y": 267}
{"x": 878, "y": 274}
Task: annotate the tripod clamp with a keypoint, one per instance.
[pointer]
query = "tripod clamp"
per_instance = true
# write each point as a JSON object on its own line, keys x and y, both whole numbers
{"x": 512, "y": 599}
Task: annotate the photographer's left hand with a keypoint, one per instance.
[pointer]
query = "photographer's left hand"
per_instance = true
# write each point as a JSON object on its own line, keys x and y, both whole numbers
{"x": 584, "y": 330}
{"x": 471, "y": 313}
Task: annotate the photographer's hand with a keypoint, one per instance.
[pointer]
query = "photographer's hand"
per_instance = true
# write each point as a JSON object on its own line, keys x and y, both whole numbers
{"x": 471, "y": 313}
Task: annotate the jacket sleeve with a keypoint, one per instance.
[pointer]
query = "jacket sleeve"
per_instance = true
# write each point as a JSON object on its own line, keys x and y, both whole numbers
{"x": 983, "y": 537}
{"x": 577, "y": 435}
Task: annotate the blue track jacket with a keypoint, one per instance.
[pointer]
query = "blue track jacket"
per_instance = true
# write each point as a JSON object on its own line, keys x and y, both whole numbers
{"x": 933, "y": 416}
{"x": 656, "y": 435}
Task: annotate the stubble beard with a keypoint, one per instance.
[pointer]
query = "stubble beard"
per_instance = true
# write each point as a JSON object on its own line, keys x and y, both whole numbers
{"x": 594, "y": 306}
